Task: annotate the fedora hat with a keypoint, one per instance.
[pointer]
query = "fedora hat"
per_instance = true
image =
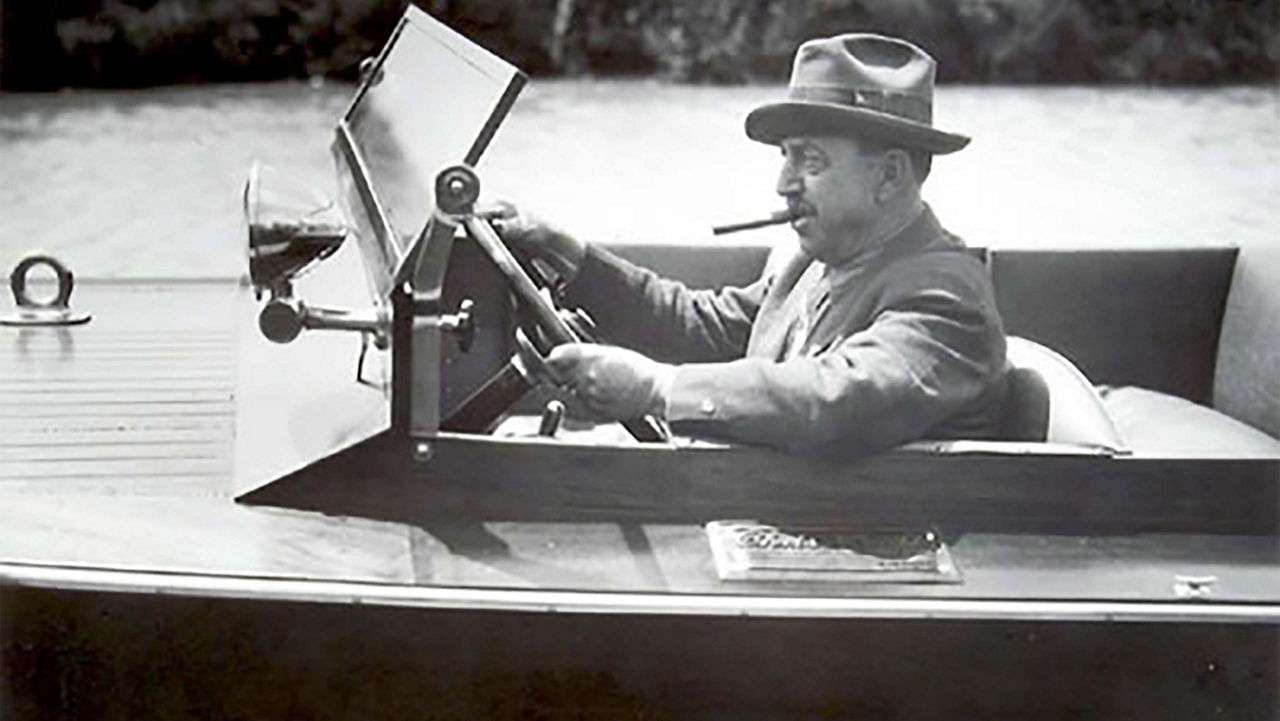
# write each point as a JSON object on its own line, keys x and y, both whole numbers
{"x": 859, "y": 84}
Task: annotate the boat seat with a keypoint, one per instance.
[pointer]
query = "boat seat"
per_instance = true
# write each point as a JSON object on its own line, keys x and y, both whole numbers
{"x": 1050, "y": 400}
{"x": 1026, "y": 412}
{"x": 1161, "y": 424}
{"x": 1115, "y": 314}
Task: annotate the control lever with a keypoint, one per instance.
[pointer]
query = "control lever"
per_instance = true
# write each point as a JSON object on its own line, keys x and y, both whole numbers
{"x": 461, "y": 324}
{"x": 552, "y": 415}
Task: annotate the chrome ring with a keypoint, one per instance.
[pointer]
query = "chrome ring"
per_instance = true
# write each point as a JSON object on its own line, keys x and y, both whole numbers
{"x": 18, "y": 282}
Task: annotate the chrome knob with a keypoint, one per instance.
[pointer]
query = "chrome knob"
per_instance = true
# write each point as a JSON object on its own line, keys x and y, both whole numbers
{"x": 461, "y": 324}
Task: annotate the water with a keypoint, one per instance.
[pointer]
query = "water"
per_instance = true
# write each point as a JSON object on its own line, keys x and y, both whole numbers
{"x": 148, "y": 183}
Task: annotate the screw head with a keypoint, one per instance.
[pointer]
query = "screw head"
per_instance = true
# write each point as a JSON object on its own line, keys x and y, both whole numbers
{"x": 423, "y": 451}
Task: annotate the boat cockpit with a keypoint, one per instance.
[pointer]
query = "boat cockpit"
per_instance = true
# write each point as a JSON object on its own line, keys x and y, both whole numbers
{"x": 458, "y": 325}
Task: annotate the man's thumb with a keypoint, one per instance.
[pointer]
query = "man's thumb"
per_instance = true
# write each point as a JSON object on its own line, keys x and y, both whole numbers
{"x": 563, "y": 360}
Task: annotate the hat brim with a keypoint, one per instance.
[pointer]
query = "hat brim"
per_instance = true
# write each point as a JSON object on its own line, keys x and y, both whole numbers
{"x": 774, "y": 122}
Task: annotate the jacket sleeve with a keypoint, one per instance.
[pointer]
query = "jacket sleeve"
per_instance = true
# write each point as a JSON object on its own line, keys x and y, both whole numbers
{"x": 934, "y": 346}
{"x": 664, "y": 319}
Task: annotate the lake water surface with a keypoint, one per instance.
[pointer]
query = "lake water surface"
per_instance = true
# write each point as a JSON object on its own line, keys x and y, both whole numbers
{"x": 148, "y": 183}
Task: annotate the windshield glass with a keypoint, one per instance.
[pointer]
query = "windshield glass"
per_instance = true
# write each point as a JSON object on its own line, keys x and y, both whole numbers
{"x": 432, "y": 100}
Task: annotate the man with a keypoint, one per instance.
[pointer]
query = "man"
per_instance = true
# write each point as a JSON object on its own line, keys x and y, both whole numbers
{"x": 881, "y": 330}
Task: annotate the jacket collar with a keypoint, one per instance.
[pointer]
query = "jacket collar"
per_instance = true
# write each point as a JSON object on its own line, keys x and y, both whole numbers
{"x": 793, "y": 280}
{"x": 922, "y": 234}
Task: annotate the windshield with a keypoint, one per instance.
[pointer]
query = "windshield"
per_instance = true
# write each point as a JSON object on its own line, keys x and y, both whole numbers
{"x": 430, "y": 101}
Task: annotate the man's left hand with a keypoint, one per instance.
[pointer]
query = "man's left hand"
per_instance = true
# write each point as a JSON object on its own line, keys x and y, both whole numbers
{"x": 612, "y": 382}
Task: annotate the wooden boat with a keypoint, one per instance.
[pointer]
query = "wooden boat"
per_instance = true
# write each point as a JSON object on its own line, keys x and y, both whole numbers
{"x": 199, "y": 522}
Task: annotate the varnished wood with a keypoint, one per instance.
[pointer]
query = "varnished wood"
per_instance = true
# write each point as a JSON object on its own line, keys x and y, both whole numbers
{"x": 198, "y": 535}
{"x": 533, "y": 479}
{"x": 469, "y": 563}
{"x": 138, "y": 400}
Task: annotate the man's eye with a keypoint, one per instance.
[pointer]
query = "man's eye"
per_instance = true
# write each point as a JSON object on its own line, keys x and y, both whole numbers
{"x": 814, "y": 163}
{"x": 803, "y": 160}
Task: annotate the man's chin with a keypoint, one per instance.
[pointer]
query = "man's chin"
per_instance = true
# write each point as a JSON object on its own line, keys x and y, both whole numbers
{"x": 808, "y": 241}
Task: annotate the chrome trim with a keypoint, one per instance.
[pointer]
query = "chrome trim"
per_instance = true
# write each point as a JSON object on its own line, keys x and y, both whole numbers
{"x": 374, "y": 207}
{"x": 371, "y": 79}
{"x": 627, "y": 603}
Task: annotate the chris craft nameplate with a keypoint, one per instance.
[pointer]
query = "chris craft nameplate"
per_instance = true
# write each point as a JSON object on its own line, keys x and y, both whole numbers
{"x": 749, "y": 550}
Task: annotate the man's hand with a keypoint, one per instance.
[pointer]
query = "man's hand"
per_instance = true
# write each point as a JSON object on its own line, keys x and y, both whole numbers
{"x": 612, "y": 382}
{"x": 537, "y": 237}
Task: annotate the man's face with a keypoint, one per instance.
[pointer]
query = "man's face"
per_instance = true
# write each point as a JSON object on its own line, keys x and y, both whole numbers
{"x": 833, "y": 182}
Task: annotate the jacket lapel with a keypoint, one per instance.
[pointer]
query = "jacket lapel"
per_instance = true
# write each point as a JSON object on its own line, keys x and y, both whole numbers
{"x": 774, "y": 320}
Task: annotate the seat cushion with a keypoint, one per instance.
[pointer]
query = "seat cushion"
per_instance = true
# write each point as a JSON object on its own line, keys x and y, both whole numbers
{"x": 1154, "y": 423}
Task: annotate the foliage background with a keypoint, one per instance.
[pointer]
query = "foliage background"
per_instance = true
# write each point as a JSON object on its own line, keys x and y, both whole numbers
{"x": 112, "y": 43}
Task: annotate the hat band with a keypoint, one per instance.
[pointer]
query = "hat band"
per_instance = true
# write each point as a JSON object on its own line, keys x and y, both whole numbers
{"x": 910, "y": 107}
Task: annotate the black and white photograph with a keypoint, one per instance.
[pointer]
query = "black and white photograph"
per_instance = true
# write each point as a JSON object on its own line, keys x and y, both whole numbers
{"x": 640, "y": 359}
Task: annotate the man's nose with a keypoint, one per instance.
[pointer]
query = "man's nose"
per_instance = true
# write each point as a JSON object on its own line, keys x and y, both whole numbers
{"x": 788, "y": 181}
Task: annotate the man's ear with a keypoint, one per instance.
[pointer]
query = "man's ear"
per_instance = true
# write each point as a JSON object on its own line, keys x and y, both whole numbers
{"x": 895, "y": 173}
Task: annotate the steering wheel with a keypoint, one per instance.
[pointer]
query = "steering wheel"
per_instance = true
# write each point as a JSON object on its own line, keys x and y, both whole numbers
{"x": 456, "y": 191}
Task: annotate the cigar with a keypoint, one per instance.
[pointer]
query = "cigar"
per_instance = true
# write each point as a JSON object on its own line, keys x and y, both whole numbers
{"x": 777, "y": 217}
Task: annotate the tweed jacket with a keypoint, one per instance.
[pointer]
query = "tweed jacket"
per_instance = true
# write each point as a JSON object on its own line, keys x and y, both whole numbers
{"x": 906, "y": 344}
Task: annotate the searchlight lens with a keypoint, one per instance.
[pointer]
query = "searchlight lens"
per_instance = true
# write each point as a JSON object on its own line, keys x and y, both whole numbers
{"x": 291, "y": 226}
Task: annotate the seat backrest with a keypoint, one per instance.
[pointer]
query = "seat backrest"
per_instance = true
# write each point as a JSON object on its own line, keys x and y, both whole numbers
{"x": 1149, "y": 317}
{"x": 1247, "y": 385}
{"x": 699, "y": 266}
{"x": 1075, "y": 412}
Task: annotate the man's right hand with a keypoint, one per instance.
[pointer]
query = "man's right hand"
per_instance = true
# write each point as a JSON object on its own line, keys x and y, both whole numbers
{"x": 614, "y": 383}
{"x": 537, "y": 237}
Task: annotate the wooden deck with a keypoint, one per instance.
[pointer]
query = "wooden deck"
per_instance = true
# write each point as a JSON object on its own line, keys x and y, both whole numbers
{"x": 138, "y": 401}
{"x": 117, "y": 445}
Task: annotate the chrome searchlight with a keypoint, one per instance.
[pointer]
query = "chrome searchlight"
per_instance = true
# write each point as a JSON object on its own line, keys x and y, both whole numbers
{"x": 291, "y": 228}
